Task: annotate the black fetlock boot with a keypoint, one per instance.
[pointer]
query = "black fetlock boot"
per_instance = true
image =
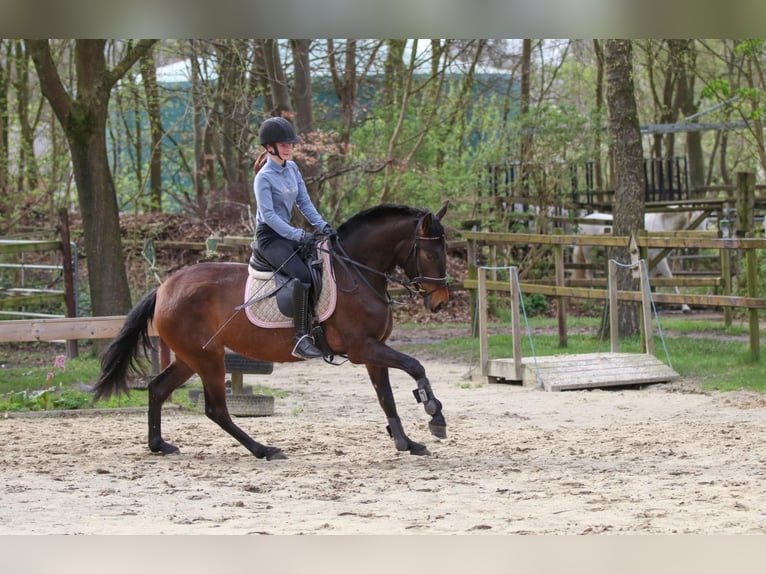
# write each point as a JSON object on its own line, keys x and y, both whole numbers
{"x": 304, "y": 345}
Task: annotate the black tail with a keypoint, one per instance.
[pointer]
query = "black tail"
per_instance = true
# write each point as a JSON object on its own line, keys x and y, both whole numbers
{"x": 123, "y": 353}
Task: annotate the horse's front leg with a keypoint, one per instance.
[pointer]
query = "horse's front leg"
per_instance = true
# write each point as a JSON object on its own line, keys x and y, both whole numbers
{"x": 385, "y": 355}
{"x": 382, "y": 384}
{"x": 381, "y": 355}
{"x": 433, "y": 406}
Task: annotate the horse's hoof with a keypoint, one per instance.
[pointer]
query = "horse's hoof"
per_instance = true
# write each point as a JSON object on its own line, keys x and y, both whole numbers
{"x": 273, "y": 453}
{"x": 418, "y": 449}
{"x": 165, "y": 448}
{"x": 439, "y": 431}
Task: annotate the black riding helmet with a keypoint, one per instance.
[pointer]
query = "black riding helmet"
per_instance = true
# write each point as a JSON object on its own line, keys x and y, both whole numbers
{"x": 277, "y": 130}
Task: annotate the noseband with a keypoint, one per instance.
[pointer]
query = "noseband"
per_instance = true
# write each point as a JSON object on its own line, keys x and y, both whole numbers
{"x": 420, "y": 278}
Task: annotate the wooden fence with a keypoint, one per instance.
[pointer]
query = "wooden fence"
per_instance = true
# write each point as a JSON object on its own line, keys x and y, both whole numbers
{"x": 482, "y": 246}
{"x": 20, "y": 296}
{"x": 497, "y": 210}
{"x": 62, "y": 329}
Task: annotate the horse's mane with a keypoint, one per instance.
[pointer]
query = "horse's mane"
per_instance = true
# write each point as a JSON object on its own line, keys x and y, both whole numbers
{"x": 380, "y": 212}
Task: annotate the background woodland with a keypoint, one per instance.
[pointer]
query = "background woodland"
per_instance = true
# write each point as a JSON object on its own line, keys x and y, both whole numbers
{"x": 116, "y": 129}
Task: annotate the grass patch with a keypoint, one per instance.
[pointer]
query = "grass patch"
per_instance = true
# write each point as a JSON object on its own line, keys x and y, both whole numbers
{"x": 38, "y": 377}
{"x": 61, "y": 384}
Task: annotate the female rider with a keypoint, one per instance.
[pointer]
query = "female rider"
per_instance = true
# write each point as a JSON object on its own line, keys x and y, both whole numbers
{"x": 278, "y": 187}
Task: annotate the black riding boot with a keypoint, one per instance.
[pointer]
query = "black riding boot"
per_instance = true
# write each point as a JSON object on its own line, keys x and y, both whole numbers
{"x": 304, "y": 345}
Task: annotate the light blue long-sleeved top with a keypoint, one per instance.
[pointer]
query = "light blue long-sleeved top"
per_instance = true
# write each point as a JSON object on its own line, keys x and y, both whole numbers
{"x": 277, "y": 189}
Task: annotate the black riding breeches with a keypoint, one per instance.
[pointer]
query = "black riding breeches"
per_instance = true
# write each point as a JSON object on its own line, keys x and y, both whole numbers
{"x": 281, "y": 254}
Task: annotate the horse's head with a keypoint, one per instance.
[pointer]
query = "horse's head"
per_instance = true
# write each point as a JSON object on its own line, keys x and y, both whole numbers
{"x": 427, "y": 265}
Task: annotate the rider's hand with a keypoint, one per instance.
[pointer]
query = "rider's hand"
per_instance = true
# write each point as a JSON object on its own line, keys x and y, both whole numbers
{"x": 330, "y": 232}
{"x": 307, "y": 239}
{"x": 306, "y": 245}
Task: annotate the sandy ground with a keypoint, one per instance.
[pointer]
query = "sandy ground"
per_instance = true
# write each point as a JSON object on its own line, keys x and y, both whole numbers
{"x": 665, "y": 459}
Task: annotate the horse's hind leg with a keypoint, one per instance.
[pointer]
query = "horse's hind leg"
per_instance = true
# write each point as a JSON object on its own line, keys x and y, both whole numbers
{"x": 217, "y": 411}
{"x": 160, "y": 388}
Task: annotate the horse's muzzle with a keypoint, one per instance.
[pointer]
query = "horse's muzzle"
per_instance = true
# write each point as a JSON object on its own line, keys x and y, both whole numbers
{"x": 436, "y": 299}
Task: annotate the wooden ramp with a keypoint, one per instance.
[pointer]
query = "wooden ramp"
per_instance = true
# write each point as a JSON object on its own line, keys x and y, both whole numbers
{"x": 568, "y": 372}
{"x": 584, "y": 371}
{"x": 595, "y": 370}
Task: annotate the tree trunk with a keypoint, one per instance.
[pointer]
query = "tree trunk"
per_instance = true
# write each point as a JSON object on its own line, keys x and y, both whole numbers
{"x": 5, "y": 193}
{"x": 345, "y": 82}
{"x": 598, "y": 47}
{"x": 28, "y": 173}
{"x": 525, "y": 98}
{"x": 302, "y": 92}
{"x": 396, "y": 89}
{"x": 152, "y": 93}
{"x": 280, "y": 95}
{"x": 83, "y": 118}
{"x": 628, "y": 158}
{"x": 235, "y": 103}
{"x": 202, "y": 162}
{"x": 258, "y": 75}
{"x": 304, "y": 115}
{"x": 687, "y": 66}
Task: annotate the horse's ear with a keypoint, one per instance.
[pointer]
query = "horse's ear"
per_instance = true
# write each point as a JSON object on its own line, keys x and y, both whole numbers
{"x": 442, "y": 210}
{"x": 425, "y": 224}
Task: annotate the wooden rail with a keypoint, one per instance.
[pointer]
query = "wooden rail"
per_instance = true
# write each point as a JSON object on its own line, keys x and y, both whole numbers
{"x": 562, "y": 288}
{"x": 63, "y": 329}
{"x": 15, "y": 298}
{"x": 107, "y": 328}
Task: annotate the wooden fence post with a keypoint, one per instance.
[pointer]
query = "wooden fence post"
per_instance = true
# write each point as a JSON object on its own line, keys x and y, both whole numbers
{"x": 482, "y": 321}
{"x": 70, "y": 296}
{"x": 472, "y": 257}
{"x": 745, "y": 203}
{"x": 614, "y": 325}
{"x": 751, "y": 267}
{"x": 561, "y": 307}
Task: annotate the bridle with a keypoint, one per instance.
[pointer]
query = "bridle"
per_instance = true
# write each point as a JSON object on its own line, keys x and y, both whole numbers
{"x": 419, "y": 278}
{"x": 413, "y": 286}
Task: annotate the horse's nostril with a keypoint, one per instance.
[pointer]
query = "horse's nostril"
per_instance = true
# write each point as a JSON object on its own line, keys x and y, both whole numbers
{"x": 436, "y": 300}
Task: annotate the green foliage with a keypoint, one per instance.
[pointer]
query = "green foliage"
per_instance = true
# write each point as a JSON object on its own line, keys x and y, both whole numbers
{"x": 750, "y": 47}
{"x": 717, "y": 88}
{"x": 47, "y": 381}
{"x": 532, "y": 305}
{"x": 535, "y": 304}
{"x": 47, "y": 399}
{"x": 52, "y": 384}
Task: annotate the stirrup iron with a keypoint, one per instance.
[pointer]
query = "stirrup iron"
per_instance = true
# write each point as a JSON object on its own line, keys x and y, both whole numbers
{"x": 305, "y": 349}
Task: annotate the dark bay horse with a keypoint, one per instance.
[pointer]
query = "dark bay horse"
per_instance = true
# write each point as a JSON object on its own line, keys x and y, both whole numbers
{"x": 193, "y": 312}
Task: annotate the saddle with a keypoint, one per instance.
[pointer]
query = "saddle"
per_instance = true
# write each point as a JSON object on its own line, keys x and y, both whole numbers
{"x": 268, "y": 293}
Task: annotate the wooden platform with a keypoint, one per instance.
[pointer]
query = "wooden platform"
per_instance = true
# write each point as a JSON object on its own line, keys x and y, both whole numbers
{"x": 568, "y": 372}
{"x": 586, "y": 371}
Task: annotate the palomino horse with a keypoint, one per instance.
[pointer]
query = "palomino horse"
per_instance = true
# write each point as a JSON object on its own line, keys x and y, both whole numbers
{"x": 661, "y": 221}
{"x": 193, "y": 312}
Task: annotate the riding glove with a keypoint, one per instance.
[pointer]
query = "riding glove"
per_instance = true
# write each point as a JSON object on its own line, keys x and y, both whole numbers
{"x": 307, "y": 239}
{"x": 330, "y": 232}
